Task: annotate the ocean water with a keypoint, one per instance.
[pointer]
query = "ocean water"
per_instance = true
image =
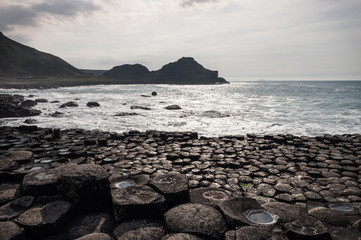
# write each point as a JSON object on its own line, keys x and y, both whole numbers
{"x": 307, "y": 108}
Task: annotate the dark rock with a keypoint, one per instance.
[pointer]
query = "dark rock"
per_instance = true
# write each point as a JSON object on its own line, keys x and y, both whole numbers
{"x": 145, "y": 96}
{"x": 137, "y": 202}
{"x": 118, "y": 181}
{"x": 11, "y": 231}
{"x": 93, "y": 104}
{"x": 8, "y": 192}
{"x": 15, "y": 207}
{"x": 41, "y": 100}
{"x": 96, "y": 236}
{"x": 28, "y": 168}
{"x": 180, "y": 236}
{"x": 173, "y": 186}
{"x": 331, "y": 216}
{"x": 27, "y": 128}
{"x": 307, "y": 228}
{"x": 195, "y": 218}
{"x": 30, "y": 121}
{"x": 129, "y": 73}
{"x": 10, "y": 107}
{"x": 88, "y": 224}
{"x": 126, "y": 114}
{"x": 28, "y": 103}
{"x": 250, "y": 233}
{"x": 345, "y": 233}
{"x": 21, "y": 157}
{"x": 86, "y": 186}
{"x": 209, "y": 196}
{"x": 56, "y": 114}
{"x": 69, "y": 104}
{"x": 90, "y": 142}
{"x": 173, "y": 107}
{"x": 44, "y": 220}
{"x": 140, "y": 229}
{"x": 140, "y": 107}
{"x": 154, "y": 93}
{"x": 41, "y": 183}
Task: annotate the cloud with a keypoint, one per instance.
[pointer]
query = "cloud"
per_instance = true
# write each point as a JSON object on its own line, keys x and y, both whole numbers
{"x": 188, "y": 3}
{"x": 29, "y": 14}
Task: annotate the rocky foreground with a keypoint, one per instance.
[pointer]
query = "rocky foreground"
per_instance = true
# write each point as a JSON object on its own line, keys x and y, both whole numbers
{"x": 89, "y": 185}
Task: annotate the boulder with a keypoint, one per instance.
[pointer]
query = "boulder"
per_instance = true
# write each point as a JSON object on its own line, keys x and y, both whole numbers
{"x": 30, "y": 121}
{"x": 69, "y": 104}
{"x": 148, "y": 229}
{"x": 137, "y": 202}
{"x": 154, "y": 93}
{"x": 174, "y": 186}
{"x": 98, "y": 222}
{"x": 93, "y": 104}
{"x": 86, "y": 186}
{"x": 11, "y": 231}
{"x": 41, "y": 183}
{"x": 28, "y": 103}
{"x": 41, "y": 100}
{"x": 47, "y": 219}
{"x": 10, "y": 107}
{"x": 197, "y": 219}
{"x": 140, "y": 107}
{"x": 173, "y": 107}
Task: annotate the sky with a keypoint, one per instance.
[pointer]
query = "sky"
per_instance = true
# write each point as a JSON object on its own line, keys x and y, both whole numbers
{"x": 242, "y": 39}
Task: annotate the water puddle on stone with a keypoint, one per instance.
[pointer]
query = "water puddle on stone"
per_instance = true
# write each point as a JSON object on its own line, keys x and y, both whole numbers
{"x": 261, "y": 217}
{"x": 124, "y": 184}
{"x": 36, "y": 168}
{"x": 345, "y": 207}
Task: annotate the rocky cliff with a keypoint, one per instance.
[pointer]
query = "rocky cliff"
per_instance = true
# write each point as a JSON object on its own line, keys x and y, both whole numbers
{"x": 184, "y": 71}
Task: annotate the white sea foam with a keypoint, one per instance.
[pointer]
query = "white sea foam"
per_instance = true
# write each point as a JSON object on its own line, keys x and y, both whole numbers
{"x": 299, "y": 108}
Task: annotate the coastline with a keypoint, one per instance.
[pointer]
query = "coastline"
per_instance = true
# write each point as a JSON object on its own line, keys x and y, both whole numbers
{"x": 304, "y": 173}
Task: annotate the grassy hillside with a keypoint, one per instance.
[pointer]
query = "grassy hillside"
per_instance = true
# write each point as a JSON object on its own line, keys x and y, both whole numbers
{"x": 20, "y": 60}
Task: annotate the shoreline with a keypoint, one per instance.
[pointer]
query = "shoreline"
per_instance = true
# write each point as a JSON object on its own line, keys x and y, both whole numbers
{"x": 281, "y": 172}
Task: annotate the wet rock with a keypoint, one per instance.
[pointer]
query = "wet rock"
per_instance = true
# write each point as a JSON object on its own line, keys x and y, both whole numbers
{"x": 9, "y": 192}
{"x": 93, "y": 104}
{"x": 57, "y": 114}
{"x": 126, "y": 114}
{"x": 89, "y": 224}
{"x": 195, "y": 218}
{"x": 11, "y": 231}
{"x": 331, "y": 216}
{"x": 150, "y": 229}
{"x": 307, "y": 228}
{"x": 86, "y": 186}
{"x": 96, "y": 236}
{"x": 286, "y": 212}
{"x": 137, "y": 202}
{"x": 15, "y": 207}
{"x": 154, "y": 93}
{"x": 29, "y": 103}
{"x": 28, "y": 168}
{"x": 119, "y": 181}
{"x": 140, "y": 107}
{"x": 41, "y": 183}
{"x": 69, "y": 104}
{"x": 10, "y": 107}
{"x": 173, "y": 186}
{"x": 180, "y": 236}
{"x": 30, "y": 121}
{"x": 173, "y": 107}
{"x": 44, "y": 220}
{"x": 41, "y": 100}
{"x": 209, "y": 196}
{"x": 21, "y": 157}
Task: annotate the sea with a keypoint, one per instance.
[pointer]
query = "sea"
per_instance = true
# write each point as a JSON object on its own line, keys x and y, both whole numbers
{"x": 301, "y": 108}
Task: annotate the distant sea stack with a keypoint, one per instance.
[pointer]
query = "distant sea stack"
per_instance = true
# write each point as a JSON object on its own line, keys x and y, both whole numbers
{"x": 20, "y": 60}
{"x": 184, "y": 71}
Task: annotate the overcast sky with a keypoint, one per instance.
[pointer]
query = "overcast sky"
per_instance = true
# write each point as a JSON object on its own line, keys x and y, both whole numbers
{"x": 243, "y": 39}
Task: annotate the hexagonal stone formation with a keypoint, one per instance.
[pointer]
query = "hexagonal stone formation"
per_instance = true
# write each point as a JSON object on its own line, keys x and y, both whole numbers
{"x": 246, "y": 211}
{"x": 8, "y": 192}
{"x": 28, "y": 168}
{"x": 250, "y": 233}
{"x": 286, "y": 212}
{"x": 181, "y": 236}
{"x": 41, "y": 183}
{"x": 198, "y": 219}
{"x": 345, "y": 233}
{"x": 174, "y": 186}
{"x": 332, "y": 216}
{"x": 307, "y": 228}
{"x": 86, "y": 186}
{"x": 46, "y": 219}
{"x": 137, "y": 202}
{"x": 11, "y": 231}
{"x": 88, "y": 224}
{"x": 150, "y": 229}
{"x": 15, "y": 207}
{"x": 209, "y": 196}
{"x": 21, "y": 157}
{"x": 121, "y": 181}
